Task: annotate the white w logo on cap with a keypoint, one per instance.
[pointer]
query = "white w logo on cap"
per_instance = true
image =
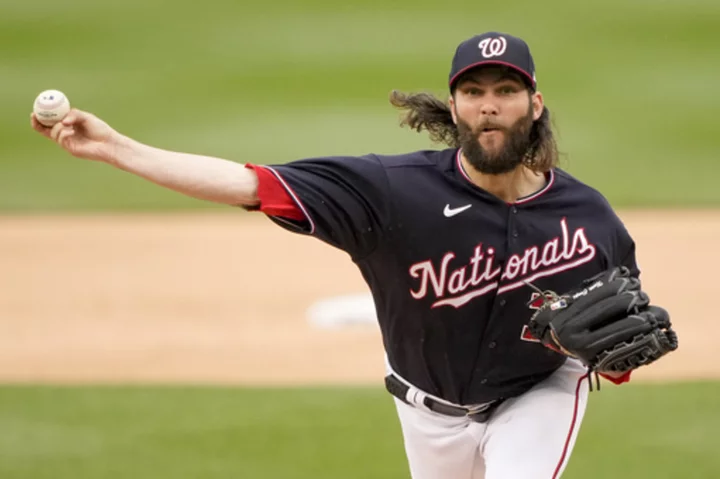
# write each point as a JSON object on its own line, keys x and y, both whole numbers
{"x": 493, "y": 47}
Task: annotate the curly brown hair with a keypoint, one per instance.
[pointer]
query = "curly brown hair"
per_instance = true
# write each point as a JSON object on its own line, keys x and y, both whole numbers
{"x": 426, "y": 112}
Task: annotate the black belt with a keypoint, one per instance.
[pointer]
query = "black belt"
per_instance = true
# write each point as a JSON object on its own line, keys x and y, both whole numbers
{"x": 478, "y": 414}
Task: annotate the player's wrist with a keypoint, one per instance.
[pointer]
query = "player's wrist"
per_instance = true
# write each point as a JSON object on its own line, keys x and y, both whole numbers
{"x": 122, "y": 151}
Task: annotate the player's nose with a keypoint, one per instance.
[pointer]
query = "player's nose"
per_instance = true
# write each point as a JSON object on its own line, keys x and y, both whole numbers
{"x": 489, "y": 109}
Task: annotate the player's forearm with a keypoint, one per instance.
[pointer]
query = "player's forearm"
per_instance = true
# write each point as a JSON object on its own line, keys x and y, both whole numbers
{"x": 202, "y": 177}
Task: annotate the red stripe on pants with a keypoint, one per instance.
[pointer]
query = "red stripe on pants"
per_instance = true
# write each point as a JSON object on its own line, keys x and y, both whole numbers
{"x": 572, "y": 427}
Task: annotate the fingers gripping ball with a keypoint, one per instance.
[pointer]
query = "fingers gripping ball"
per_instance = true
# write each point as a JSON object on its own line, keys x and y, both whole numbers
{"x": 607, "y": 323}
{"x": 50, "y": 107}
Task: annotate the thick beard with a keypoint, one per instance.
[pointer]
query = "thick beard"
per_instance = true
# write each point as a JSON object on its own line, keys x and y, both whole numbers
{"x": 511, "y": 154}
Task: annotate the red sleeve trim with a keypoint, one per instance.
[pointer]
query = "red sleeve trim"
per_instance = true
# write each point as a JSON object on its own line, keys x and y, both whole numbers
{"x": 274, "y": 198}
{"x": 622, "y": 379}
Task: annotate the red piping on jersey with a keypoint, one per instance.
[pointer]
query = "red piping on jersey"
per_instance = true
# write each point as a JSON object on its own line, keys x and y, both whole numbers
{"x": 535, "y": 195}
{"x": 572, "y": 426}
{"x": 295, "y": 198}
{"x": 276, "y": 197}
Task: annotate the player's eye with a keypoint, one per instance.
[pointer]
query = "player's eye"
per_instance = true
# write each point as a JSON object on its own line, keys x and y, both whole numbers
{"x": 507, "y": 90}
{"x": 473, "y": 91}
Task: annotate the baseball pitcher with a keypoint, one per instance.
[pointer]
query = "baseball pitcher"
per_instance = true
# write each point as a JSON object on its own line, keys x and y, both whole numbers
{"x": 503, "y": 285}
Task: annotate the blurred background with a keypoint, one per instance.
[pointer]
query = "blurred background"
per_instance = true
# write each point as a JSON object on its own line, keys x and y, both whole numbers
{"x": 86, "y": 251}
{"x": 630, "y": 84}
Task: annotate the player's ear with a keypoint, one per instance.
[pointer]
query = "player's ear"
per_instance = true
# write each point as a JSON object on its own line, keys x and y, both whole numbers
{"x": 451, "y": 102}
{"x": 538, "y": 104}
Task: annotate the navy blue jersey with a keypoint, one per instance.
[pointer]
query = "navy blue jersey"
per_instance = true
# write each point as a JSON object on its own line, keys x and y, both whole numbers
{"x": 447, "y": 262}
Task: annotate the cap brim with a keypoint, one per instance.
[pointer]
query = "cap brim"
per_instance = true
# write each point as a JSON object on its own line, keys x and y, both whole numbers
{"x": 526, "y": 75}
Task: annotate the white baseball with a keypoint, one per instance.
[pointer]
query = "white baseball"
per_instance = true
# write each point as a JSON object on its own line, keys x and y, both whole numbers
{"x": 50, "y": 107}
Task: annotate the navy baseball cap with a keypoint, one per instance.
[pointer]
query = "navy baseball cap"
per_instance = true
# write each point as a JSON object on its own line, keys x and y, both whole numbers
{"x": 493, "y": 48}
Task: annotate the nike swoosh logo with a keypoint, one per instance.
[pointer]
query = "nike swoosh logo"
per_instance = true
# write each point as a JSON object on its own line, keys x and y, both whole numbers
{"x": 450, "y": 212}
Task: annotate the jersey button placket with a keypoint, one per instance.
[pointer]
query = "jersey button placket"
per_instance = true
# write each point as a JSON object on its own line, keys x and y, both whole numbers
{"x": 511, "y": 223}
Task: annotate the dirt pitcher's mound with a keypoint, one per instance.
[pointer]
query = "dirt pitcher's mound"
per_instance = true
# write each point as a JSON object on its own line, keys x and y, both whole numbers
{"x": 223, "y": 297}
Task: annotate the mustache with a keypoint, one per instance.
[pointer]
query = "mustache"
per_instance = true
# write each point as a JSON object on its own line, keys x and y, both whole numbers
{"x": 487, "y": 124}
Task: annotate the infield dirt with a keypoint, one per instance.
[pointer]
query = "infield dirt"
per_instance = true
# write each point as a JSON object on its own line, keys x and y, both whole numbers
{"x": 222, "y": 298}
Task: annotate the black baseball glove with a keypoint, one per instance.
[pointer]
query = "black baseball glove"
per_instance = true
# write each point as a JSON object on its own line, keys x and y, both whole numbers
{"x": 607, "y": 323}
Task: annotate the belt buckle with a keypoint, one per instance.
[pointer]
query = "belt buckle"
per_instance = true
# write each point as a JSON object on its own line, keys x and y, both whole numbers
{"x": 478, "y": 408}
{"x": 480, "y": 413}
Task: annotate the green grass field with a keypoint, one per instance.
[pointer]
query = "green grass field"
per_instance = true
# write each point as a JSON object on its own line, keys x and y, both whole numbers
{"x": 633, "y": 431}
{"x": 631, "y": 84}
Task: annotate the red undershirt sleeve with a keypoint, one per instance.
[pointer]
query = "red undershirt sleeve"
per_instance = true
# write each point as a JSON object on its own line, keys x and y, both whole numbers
{"x": 343, "y": 201}
{"x": 274, "y": 198}
{"x": 622, "y": 379}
